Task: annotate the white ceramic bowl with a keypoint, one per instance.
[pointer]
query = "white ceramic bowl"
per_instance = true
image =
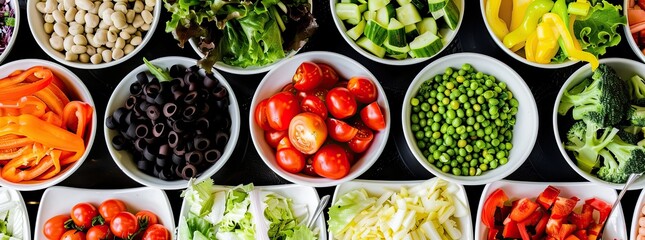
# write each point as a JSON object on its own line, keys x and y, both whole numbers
{"x": 628, "y": 34}
{"x": 8, "y": 196}
{"x": 633, "y": 233}
{"x": 448, "y": 34}
{"x": 124, "y": 159}
{"x": 525, "y": 129}
{"x": 378, "y": 188}
{"x": 626, "y": 69}
{"x": 519, "y": 55}
{"x": 36, "y": 22}
{"x": 60, "y": 200}
{"x": 78, "y": 92}
{"x": 15, "y": 6}
{"x": 280, "y": 76}
{"x": 615, "y": 227}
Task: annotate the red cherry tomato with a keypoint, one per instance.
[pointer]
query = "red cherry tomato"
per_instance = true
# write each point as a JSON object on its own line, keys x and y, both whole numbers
{"x": 290, "y": 159}
{"x": 351, "y": 158}
{"x": 54, "y": 228}
{"x": 340, "y": 131}
{"x": 273, "y": 137}
{"x": 307, "y": 132}
{"x": 280, "y": 109}
{"x": 313, "y": 104}
{"x": 82, "y": 214}
{"x": 98, "y": 232}
{"x": 331, "y": 162}
{"x": 110, "y": 208}
{"x": 341, "y": 103}
{"x": 290, "y": 89}
{"x": 363, "y": 89}
{"x": 362, "y": 140}
{"x": 73, "y": 235}
{"x": 124, "y": 224}
{"x": 309, "y": 168}
{"x": 372, "y": 117}
{"x": 329, "y": 76}
{"x": 261, "y": 116}
{"x": 148, "y": 216}
{"x": 284, "y": 143}
{"x": 308, "y": 76}
{"x": 156, "y": 232}
{"x": 320, "y": 93}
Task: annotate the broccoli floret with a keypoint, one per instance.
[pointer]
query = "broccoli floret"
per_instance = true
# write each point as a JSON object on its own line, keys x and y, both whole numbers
{"x": 604, "y": 101}
{"x": 625, "y": 158}
{"x": 585, "y": 144}
{"x": 636, "y": 89}
{"x": 627, "y": 137}
{"x": 636, "y": 115}
{"x": 610, "y": 170}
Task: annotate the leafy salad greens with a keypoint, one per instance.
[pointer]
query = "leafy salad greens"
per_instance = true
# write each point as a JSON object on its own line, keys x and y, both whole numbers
{"x": 241, "y": 212}
{"x": 11, "y": 218}
{"x": 241, "y": 33}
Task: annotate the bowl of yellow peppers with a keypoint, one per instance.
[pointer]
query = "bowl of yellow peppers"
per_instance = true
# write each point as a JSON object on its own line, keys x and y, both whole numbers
{"x": 553, "y": 33}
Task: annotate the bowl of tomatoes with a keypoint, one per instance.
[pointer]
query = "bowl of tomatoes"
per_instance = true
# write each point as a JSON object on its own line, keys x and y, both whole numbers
{"x": 319, "y": 119}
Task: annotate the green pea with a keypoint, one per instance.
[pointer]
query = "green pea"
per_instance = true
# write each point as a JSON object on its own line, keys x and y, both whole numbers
{"x": 493, "y": 164}
{"x": 448, "y": 71}
{"x": 509, "y": 145}
{"x": 414, "y": 118}
{"x": 445, "y": 168}
{"x": 495, "y": 142}
{"x": 414, "y": 101}
{"x": 435, "y": 126}
{"x": 450, "y": 114}
{"x": 454, "y": 163}
{"x": 469, "y": 148}
{"x": 436, "y": 155}
{"x": 461, "y": 72}
{"x": 419, "y": 135}
{"x": 416, "y": 109}
{"x": 456, "y": 171}
{"x": 462, "y": 152}
{"x": 436, "y": 118}
{"x": 483, "y": 167}
{"x": 477, "y": 107}
{"x": 503, "y": 161}
{"x": 450, "y": 85}
{"x": 472, "y": 171}
{"x": 454, "y": 104}
{"x": 425, "y": 107}
{"x": 456, "y": 122}
{"x": 463, "y": 98}
{"x": 441, "y": 110}
{"x": 467, "y": 67}
{"x": 479, "y": 75}
{"x": 421, "y": 144}
{"x": 436, "y": 135}
{"x": 428, "y": 134}
{"x": 448, "y": 140}
{"x": 414, "y": 127}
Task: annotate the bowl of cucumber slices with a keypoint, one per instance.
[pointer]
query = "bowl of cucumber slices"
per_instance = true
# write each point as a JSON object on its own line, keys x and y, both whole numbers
{"x": 401, "y": 32}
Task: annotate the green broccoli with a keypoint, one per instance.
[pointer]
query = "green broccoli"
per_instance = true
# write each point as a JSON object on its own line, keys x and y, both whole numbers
{"x": 603, "y": 101}
{"x": 625, "y": 158}
{"x": 583, "y": 140}
{"x": 636, "y": 89}
{"x": 636, "y": 115}
{"x": 610, "y": 170}
{"x": 628, "y": 137}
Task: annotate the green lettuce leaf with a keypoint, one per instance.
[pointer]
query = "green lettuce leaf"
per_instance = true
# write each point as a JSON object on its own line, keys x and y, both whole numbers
{"x": 199, "y": 197}
{"x": 237, "y": 222}
{"x": 346, "y": 208}
{"x": 300, "y": 232}
{"x": 283, "y": 222}
{"x": 597, "y": 30}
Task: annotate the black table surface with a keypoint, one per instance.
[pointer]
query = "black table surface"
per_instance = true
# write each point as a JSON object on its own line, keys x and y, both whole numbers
{"x": 545, "y": 163}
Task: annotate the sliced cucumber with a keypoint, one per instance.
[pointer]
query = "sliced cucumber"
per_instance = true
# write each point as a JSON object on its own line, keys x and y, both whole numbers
{"x": 349, "y": 1}
{"x": 374, "y": 5}
{"x": 421, "y": 5}
{"x": 408, "y": 14}
{"x": 371, "y": 47}
{"x": 403, "y": 2}
{"x": 438, "y": 14}
{"x": 451, "y": 14}
{"x": 411, "y": 32}
{"x": 436, "y": 5}
{"x": 425, "y": 45}
{"x": 398, "y": 56}
{"x": 383, "y": 15}
{"x": 395, "y": 50}
{"x": 357, "y": 30}
{"x": 346, "y": 11}
{"x": 427, "y": 25}
{"x": 362, "y": 7}
{"x": 369, "y": 15}
{"x": 396, "y": 33}
{"x": 375, "y": 32}
{"x": 353, "y": 21}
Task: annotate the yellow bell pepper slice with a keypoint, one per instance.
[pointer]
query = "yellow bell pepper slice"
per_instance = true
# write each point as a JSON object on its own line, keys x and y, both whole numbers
{"x": 574, "y": 53}
{"x": 497, "y": 25}
{"x": 534, "y": 11}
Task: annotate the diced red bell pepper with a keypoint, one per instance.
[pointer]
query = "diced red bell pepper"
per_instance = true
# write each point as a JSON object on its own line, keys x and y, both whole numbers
{"x": 523, "y": 231}
{"x": 583, "y": 219}
{"x": 511, "y": 230}
{"x": 581, "y": 234}
{"x": 492, "y": 233}
{"x": 593, "y": 231}
{"x": 572, "y": 237}
{"x": 553, "y": 226}
{"x": 602, "y": 207}
{"x": 534, "y": 218}
{"x": 540, "y": 227}
{"x": 566, "y": 230}
{"x": 525, "y": 207}
{"x": 563, "y": 207}
{"x": 495, "y": 200}
{"x": 548, "y": 196}
{"x": 641, "y": 4}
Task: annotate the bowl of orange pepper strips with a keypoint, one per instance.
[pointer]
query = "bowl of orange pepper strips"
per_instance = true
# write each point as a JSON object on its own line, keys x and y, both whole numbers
{"x": 47, "y": 124}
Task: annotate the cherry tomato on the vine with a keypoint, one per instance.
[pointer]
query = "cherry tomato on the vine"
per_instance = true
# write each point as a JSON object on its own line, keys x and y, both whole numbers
{"x": 73, "y": 235}
{"x": 148, "y": 216}
{"x": 98, "y": 232}
{"x": 110, "y": 208}
{"x": 156, "y": 232}
{"x": 82, "y": 214}
{"x": 54, "y": 228}
{"x": 124, "y": 224}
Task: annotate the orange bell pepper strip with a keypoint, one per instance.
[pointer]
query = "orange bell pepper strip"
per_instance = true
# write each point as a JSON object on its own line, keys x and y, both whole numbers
{"x": 76, "y": 117}
{"x": 52, "y": 171}
{"x": 55, "y": 81}
{"x": 43, "y": 132}
{"x": 24, "y": 105}
{"x": 52, "y": 118}
{"x": 12, "y": 153}
{"x": 15, "y": 143}
{"x": 53, "y": 97}
{"x": 14, "y": 174}
{"x": 19, "y": 89}
{"x": 15, "y": 78}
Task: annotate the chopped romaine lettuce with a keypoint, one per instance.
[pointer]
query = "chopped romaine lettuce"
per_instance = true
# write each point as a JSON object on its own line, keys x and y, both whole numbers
{"x": 597, "y": 30}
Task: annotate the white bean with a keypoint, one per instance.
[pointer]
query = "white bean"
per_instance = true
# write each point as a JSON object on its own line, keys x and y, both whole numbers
{"x": 101, "y": 37}
{"x": 91, "y": 20}
{"x": 147, "y": 16}
{"x": 57, "y": 43}
{"x": 641, "y": 221}
{"x": 111, "y": 36}
{"x": 40, "y": 6}
{"x": 138, "y": 6}
{"x": 149, "y": 8}
{"x": 104, "y": 25}
{"x": 100, "y": 50}
{"x": 151, "y": 3}
{"x": 70, "y": 15}
{"x": 69, "y": 4}
{"x": 69, "y": 56}
{"x": 61, "y": 29}
{"x": 130, "y": 29}
{"x": 76, "y": 29}
{"x": 145, "y": 27}
{"x": 104, "y": 6}
{"x": 59, "y": 16}
{"x": 84, "y": 58}
{"x": 121, "y": 7}
{"x": 96, "y": 58}
{"x": 113, "y": 29}
{"x": 124, "y": 35}
{"x": 138, "y": 21}
{"x": 117, "y": 54}
{"x": 68, "y": 43}
{"x": 91, "y": 50}
{"x": 135, "y": 41}
{"x": 107, "y": 55}
{"x": 49, "y": 18}
{"x": 80, "y": 17}
{"x": 80, "y": 40}
{"x": 90, "y": 40}
{"x": 641, "y": 231}
{"x": 106, "y": 16}
{"x": 49, "y": 28}
{"x": 50, "y": 6}
{"x": 128, "y": 49}
{"x": 86, "y": 5}
{"x": 118, "y": 20}
{"x": 120, "y": 43}
{"x": 89, "y": 30}
{"x": 79, "y": 49}
{"x": 109, "y": 45}
{"x": 129, "y": 16}
{"x": 138, "y": 33}
{"x": 95, "y": 9}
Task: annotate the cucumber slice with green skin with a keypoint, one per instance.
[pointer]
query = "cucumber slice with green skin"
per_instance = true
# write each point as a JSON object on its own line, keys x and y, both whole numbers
{"x": 369, "y": 15}
{"x": 403, "y": 2}
{"x": 437, "y": 14}
{"x": 352, "y": 21}
{"x": 383, "y": 15}
{"x": 421, "y": 5}
{"x": 407, "y": 14}
{"x": 375, "y": 32}
{"x": 356, "y": 31}
{"x": 371, "y": 47}
{"x": 396, "y": 33}
{"x": 411, "y": 32}
{"x": 436, "y": 5}
{"x": 451, "y": 14}
{"x": 398, "y": 56}
{"x": 425, "y": 45}
{"x": 346, "y": 11}
{"x": 349, "y": 1}
{"x": 362, "y": 7}
{"x": 427, "y": 25}
{"x": 374, "y": 5}
{"x": 395, "y": 50}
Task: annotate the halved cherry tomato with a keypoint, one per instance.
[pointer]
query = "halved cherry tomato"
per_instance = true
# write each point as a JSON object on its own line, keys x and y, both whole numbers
{"x": 308, "y": 76}
{"x": 54, "y": 228}
{"x": 110, "y": 208}
{"x": 494, "y": 201}
{"x": 273, "y": 137}
{"x": 284, "y": 143}
{"x": 329, "y": 76}
{"x": 320, "y": 93}
{"x": 331, "y": 162}
{"x": 73, "y": 235}
{"x": 525, "y": 207}
{"x": 309, "y": 168}
{"x": 124, "y": 224}
{"x": 361, "y": 140}
{"x": 313, "y": 104}
{"x": 290, "y": 89}
{"x": 563, "y": 207}
{"x": 148, "y": 216}
{"x": 261, "y": 116}
{"x": 156, "y": 232}
{"x": 340, "y": 130}
{"x": 363, "y": 89}
{"x": 307, "y": 132}
{"x": 372, "y": 116}
{"x": 290, "y": 159}
{"x": 280, "y": 109}
{"x": 340, "y": 103}
{"x": 82, "y": 214}
{"x": 548, "y": 196}
{"x": 98, "y": 232}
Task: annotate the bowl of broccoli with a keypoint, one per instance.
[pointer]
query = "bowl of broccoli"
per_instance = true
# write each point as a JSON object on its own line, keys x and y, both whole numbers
{"x": 599, "y": 122}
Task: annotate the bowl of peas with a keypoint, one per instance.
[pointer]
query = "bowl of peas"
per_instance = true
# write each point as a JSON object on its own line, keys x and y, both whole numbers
{"x": 469, "y": 118}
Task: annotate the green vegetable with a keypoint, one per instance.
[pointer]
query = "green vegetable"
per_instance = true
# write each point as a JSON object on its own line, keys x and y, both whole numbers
{"x": 597, "y": 30}
{"x": 585, "y": 143}
{"x": 636, "y": 115}
{"x": 636, "y": 89}
{"x": 346, "y": 208}
{"x": 283, "y": 221}
{"x": 159, "y": 73}
{"x": 620, "y": 160}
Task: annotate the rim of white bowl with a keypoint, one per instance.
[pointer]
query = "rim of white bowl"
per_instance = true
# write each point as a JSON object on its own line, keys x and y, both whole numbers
{"x": 35, "y": 20}
{"x": 81, "y": 91}
{"x": 514, "y": 55}
{"x": 340, "y": 27}
{"x": 490, "y": 175}
{"x": 321, "y": 181}
{"x": 15, "y": 6}
{"x": 628, "y": 34}
{"x": 150, "y": 181}
{"x": 582, "y": 71}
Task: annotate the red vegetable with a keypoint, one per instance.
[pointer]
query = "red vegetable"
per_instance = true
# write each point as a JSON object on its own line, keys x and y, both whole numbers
{"x": 548, "y": 196}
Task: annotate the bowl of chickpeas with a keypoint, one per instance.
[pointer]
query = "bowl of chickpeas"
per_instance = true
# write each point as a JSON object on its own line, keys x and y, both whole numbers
{"x": 92, "y": 34}
{"x": 470, "y": 119}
